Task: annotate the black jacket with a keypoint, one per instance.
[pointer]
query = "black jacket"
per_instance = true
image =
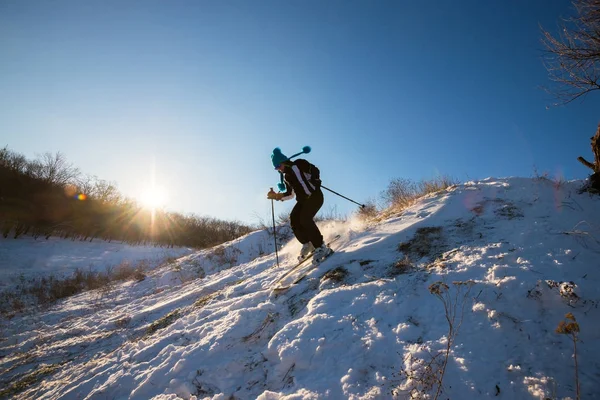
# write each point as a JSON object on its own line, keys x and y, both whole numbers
{"x": 301, "y": 178}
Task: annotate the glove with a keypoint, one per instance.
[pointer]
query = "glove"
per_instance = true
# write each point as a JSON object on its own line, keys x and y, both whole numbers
{"x": 274, "y": 196}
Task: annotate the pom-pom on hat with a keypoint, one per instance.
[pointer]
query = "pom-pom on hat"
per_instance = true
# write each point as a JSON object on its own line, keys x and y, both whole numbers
{"x": 278, "y": 157}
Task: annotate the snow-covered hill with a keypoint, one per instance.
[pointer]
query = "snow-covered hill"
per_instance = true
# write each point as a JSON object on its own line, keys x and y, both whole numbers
{"x": 510, "y": 257}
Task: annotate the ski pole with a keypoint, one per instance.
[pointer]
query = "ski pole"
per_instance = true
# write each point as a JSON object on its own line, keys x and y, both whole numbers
{"x": 274, "y": 231}
{"x": 361, "y": 205}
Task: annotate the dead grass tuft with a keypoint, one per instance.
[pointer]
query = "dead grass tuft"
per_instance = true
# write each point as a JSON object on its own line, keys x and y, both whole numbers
{"x": 400, "y": 267}
{"x": 337, "y": 275}
{"x": 28, "y": 380}
{"x": 162, "y": 322}
{"x": 427, "y": 242}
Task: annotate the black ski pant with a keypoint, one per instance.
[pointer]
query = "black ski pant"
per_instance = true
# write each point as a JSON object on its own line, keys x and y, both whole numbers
{"x": 301, "y": 219}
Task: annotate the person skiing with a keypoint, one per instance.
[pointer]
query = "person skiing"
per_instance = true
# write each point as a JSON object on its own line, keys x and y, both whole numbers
{"x": 301, "y": 179}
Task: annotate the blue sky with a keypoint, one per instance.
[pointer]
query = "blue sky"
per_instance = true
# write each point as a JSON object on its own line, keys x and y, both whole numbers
{"x": 202, "y": 91}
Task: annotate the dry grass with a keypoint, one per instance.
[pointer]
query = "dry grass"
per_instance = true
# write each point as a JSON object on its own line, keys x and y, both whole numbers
{"x": 224, "y": 257}
{"x": 570, "y": 327}
{"x": 259, "y": 331}
{"x": 402, "y": 193}
{"x": 336, "y": 275}
{"x": 368, "y": 212}
{"x": 28, "y": 379}
{"x": 47, "y": 290}
{"x": 427, "y": 242}
{"x": 162, "y": 322}
{"x": 558, "y": 181}
{"x": 425, "y": 377}
{"x": 204, "y": 300}
{"x": 400, "y": 267}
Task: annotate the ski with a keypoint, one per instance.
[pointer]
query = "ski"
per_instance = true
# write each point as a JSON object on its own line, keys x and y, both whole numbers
{"x": 313, "y": 265}
{"x": 296, "y": 273}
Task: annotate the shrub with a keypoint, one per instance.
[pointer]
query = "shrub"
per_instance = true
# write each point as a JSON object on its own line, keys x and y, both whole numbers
{"x": 454, "y": 306}
{"x": 368, "y": 212}
{"x": 402, "y": 193}
{"x": 571, "y": 328}
{"x": 427, "y": 375}
{"x": 125, "y": 271}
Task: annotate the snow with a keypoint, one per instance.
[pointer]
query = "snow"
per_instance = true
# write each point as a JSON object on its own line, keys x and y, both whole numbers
{"x": 208, "y": 326}
{"x": 27, "y": 257}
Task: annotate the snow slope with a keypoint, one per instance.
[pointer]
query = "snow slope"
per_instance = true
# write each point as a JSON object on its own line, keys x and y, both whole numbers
{"x": 363, "y": 325}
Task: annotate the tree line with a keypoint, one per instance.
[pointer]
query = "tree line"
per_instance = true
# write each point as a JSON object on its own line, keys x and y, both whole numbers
{"x": 48, "y": 196}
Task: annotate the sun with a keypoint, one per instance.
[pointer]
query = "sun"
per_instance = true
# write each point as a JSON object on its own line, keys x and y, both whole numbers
{"x": 153, "y": 197}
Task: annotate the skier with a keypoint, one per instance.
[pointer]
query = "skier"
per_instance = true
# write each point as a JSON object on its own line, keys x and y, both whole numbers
{"x": 301, "y": 179}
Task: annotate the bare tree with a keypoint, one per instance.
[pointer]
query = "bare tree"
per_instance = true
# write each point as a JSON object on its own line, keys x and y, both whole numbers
{"x": 106, "y": 192}
{"x": 86, "y": 184}
{"x": 13, "y": 161}
{"x": 54, "y": 168}
{"x": 573, "y": 57}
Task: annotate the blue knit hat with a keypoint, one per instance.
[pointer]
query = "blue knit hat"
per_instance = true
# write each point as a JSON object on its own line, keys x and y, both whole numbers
{"x": 278, "y": 157}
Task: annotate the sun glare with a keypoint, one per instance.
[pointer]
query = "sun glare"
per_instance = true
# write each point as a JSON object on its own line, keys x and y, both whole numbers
{"x": 154, "y": 197}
